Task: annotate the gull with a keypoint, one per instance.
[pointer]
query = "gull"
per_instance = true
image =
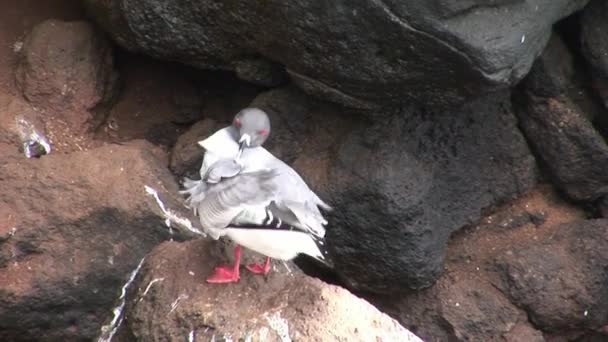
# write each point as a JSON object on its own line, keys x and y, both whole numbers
{"x": 253, "y": 198}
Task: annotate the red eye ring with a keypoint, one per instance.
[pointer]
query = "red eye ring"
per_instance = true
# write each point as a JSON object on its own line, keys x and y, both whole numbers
{"x": 263, "y": 132}
{"x": 237, "y": 122}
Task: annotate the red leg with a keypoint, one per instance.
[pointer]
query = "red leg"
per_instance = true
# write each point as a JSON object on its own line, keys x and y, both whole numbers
{"x": 227, "y": 273}
{"x": 260, "y": 269}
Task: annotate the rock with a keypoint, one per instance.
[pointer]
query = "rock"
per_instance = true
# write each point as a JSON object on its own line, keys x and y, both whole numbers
{"x": 361, "y": 54}
{"x": 603, "y": 207}
{"x": 170, "y": 300}
{"x": 187, "y": 154}
{"x": 552, "y": 72}
{"x": 72, "y": 228}
{"x": 561, "y": 280}
{"x": 524, "y": 333}
{"x": 260, "y": 71}
{"x": 402, "y": 186}
{"x": 475, "y": 311}
{"x": 67, "y": 69}
{"x": 566, "y": 142}
{"x": 467, "y": 303}
{"x": 305, "y": 131}
{"x": 594, "y": 43}
{"x": 556, "y": 110}
{"x": 462, "y": 307}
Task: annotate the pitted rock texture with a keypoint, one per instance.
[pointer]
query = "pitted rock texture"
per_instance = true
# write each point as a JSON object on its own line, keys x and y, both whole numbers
{"x": 401, "y": 187}
{"x": 557, "y": 113}
{"x": 362, "y": 54}
{"x": 515, "y": 277}
{"x": 561, "y": 281}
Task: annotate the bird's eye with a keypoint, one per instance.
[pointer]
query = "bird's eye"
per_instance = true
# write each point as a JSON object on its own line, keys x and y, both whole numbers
{"x": 237, "y": 122}
{"x": 263, "y": 132}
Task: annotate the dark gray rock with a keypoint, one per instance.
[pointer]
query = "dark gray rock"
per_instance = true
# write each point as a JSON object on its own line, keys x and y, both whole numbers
{"x": 474, "y": 310}
{"x": 187, "y": 154}
{"x": 562, "y": 281}
{"x": 360, "y": 53}
{"x": 603, "y": 207}
{"x": 565, "y": 140}
{"x": 260, "y": 71}
{"x": 402, "y": 186}
{"x": 556, "y": 113}
{"x": 593, "y": 36}
{"x": 552, "y": 72}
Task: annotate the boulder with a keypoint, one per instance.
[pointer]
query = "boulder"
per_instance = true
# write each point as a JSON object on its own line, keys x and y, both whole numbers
{"x": 561, "y": 280}
{"x": 556, "y": 114}
{"x": 468, "y": 302}
{"x": 462, "y": 307}
{"x": 401, "y": 187}
{"x": 187, "y": 154}
{"x": 72, "y": 227}
{"x": 66, "y": 68}
{"x": 594, "y": 42}
{"x": 361, "y": 54}
{"x": 170, "y": 300}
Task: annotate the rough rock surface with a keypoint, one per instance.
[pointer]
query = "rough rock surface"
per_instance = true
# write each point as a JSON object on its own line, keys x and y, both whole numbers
{"x": 594, "y": 41}
{"x": 67, "y": 69}
{"x": 555, "y": 114}
{"x": 187, "y": 154}
{"x": 561, "y": 281}
{"x": 358, "y": 53}
{"x": 469, "y": 303}
{"x": 71, "y": 229}
{"x": 402, "y": 186}
{"x": 170, "y": 300}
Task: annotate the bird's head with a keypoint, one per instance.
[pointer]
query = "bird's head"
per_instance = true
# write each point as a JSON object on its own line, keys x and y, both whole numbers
{"x": 253, "y": 126}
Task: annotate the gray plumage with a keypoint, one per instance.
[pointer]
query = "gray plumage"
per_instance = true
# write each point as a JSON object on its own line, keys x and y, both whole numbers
{"x": 244, "y": 187}
{"x": 221, "y": 169}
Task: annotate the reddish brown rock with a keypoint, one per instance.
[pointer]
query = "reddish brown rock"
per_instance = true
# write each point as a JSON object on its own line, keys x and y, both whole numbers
{"x": 66, "y": 68}
{"x": 467, "y": 303}
{"x": 72, "y": 227}
{"x": 187, "y": 154}
{"x": 170, "y": 301}
{"x": 561, "y": 281}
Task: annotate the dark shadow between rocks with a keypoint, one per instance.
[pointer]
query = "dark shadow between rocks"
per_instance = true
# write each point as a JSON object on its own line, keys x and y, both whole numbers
{"x": 75, "y": 307}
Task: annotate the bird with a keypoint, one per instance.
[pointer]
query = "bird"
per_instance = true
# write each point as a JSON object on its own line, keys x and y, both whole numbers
{"x": 255, "y": 199}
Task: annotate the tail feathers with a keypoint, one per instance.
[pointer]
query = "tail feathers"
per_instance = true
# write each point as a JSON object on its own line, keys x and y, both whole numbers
{"x": 321, "y": 246}
{"x": 195, "y": 192}
{"x": 323, "y": 204}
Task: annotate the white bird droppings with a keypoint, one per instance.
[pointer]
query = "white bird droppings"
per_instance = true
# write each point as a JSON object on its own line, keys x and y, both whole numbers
{"x": 170, "y": 217}
{"x": 108, "y": 331}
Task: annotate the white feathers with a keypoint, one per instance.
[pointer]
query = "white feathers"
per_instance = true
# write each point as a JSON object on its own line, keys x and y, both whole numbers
{"x": 277, "y": 244}
{"x": 295, "y": 203}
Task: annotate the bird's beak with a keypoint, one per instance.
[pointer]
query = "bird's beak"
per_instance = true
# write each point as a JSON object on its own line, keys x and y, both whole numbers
{"x": 243, "y": 142}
